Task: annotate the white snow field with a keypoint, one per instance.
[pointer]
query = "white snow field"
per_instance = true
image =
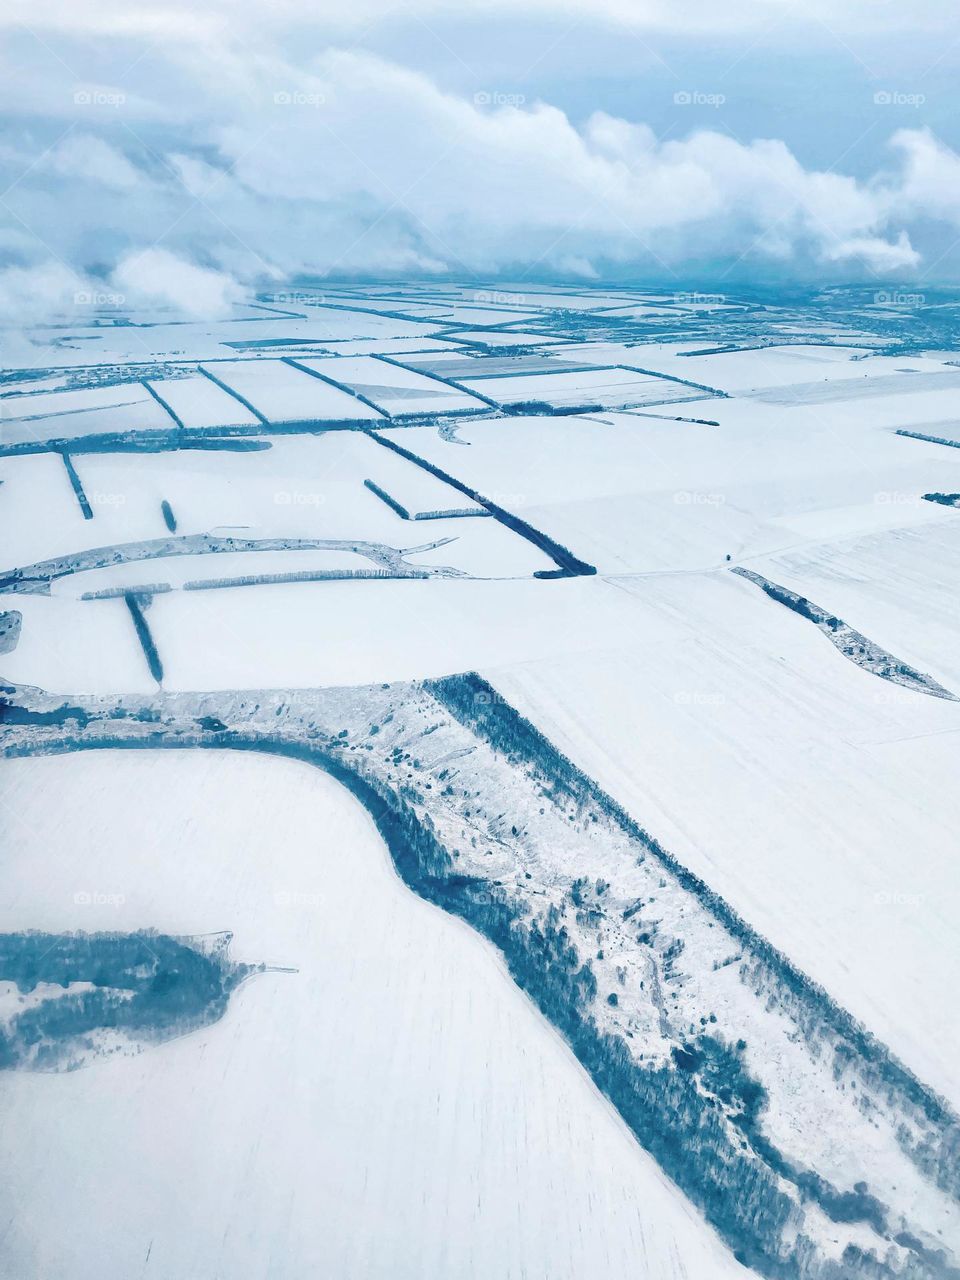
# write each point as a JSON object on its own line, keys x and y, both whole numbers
{"x": 757, "y": 370}
{"x": 393, "y": 1107}
{"x": 306, "y": 634}
{"x": 200, "y": 404}
{"x": 70, "y": 415}
{"x": 817, "y": 798}
{"x": 728, "y": 595}
{"x": 643, "y": 494}
{"x": 496, "y": 337}
{"x": 282, "y": 394}
{"x": 613, "y": 388}
{"x": 899, "y": 586}
{"x": 394, "y": 390}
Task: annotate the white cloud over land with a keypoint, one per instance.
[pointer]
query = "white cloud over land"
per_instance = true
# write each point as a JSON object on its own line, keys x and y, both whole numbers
{"x": 257, "y": 168}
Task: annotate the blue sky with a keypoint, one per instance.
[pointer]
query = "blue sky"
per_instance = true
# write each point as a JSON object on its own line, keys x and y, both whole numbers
{"x": 520, "y": 139}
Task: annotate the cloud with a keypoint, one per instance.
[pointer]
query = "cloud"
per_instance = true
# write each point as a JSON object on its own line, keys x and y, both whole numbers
{"x": 249, "y": 166}
{"x": 153, "y": 276}
{"x": 93, "y": 160}
{"x": 51, "y": 290}
{"x": 364, "y": 161}
{"x": 879, "y": 255}
{"x": 28, "y": 294}
{"x": 183, "y": 23}
{"x": 929, "y": 185}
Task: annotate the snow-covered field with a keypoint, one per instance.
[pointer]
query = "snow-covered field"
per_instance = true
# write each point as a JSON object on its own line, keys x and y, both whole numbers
{"x": 70, "y": 415}
{"x": 198, "y": 402}
{"x": 393, "y": 1107}
{"x": 393, "y": 389}
{"x": 612, "y": 388}
{"x": 815, "y": 797}
{"x": 397, "y": 1106}
{"x": 281, "y": 393}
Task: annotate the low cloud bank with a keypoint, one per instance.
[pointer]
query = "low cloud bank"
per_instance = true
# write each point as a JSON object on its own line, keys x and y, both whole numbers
{"x": 360, "y": 166}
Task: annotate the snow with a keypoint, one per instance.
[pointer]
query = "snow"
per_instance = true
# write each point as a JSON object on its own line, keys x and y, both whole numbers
{"x": 285, "y": 394}
{"x": 311, "y": 634}
{"x": 393, "y": 389}
{"x": 32, "y": 484}
{"x": 888, "y": 384}
{"x": 399, "y": 1078}
{"x": 759, "y": 370}
{"x": 398, "y": 347}
{"x": 393, "y": 1108}
{"x": 645, "y": 494}
{"x": 497, "y": 337}
{"x": 460, "y": 364}
{"x": 70, "y": 415}
{"x": 812, "y": 795}
{"x": 613, "y": 388}
{"x": 306, "y": 486}
{"x": 466, "y": 316}
{"x": 898, "y": 586}
{"x": 53, "y": 404}
{"x": 155, "y": 337}
{"x": 199, "y": 403}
